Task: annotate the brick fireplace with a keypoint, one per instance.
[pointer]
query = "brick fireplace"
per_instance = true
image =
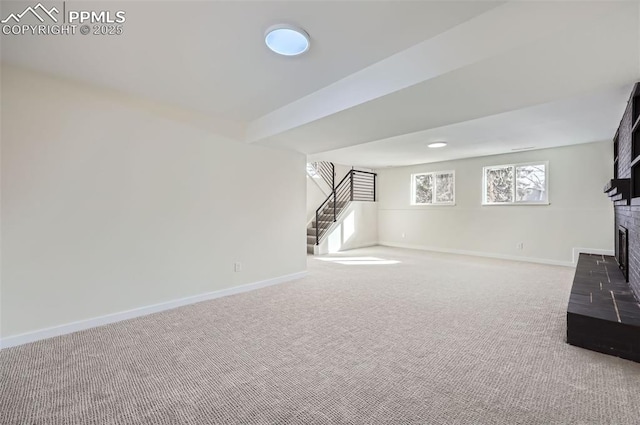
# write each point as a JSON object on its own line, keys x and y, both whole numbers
{"x": 603, "y": 312}
{"x": 624, "y": 190}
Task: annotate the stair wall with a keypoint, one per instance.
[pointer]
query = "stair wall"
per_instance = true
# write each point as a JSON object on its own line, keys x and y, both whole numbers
{"x": 357, "y": 227}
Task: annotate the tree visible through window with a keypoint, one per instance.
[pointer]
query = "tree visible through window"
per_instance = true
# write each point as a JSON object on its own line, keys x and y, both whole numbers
{"x": 433, "y": 188}
{"x": 517, "y": 183}
{"x": 531, "y": 183}
{"x": 444, "y": 187}
{"x": 423, "y": 193}
{"x": 499, "y": 185}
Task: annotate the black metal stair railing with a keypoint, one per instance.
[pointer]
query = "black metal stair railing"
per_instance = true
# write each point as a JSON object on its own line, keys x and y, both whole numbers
{"x": 355, "y": 186}
{"x": 327, "y": 171}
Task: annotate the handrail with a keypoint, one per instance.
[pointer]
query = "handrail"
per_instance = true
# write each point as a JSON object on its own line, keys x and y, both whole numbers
{"x": 347, "y": 190}
{"x": 344, "y": 178}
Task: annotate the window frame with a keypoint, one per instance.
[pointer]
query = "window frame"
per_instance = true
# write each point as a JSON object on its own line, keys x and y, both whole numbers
{"x": 433, "y": 189}
{"x": 312, "y": 172}
{"x": 514, "y": 187}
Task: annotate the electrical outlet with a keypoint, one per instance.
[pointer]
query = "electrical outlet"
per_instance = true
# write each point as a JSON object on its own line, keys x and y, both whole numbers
{"x": 520, "y": 245}
{"x": 237, "y": 266}
{"x": 403, "y": 235}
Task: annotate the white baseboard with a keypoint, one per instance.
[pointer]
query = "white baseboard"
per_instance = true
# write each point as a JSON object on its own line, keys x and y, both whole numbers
{"x": 578, "y": 251}
{"x": 80, "y": 325}
{"x": 357, "y": 246}
{"x": 498, "y": 256}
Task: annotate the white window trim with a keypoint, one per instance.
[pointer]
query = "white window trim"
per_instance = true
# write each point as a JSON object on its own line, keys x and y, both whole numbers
{"x": 514, "y": 202}
{"x": 433, "y": 203}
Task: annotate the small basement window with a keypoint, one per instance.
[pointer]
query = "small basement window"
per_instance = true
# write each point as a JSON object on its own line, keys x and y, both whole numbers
{"x": 436, "y": 188}
{"x": 519, "y": 184}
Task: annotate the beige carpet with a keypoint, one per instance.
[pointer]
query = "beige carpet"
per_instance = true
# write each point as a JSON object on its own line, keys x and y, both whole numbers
{"x": 433, "y": 339}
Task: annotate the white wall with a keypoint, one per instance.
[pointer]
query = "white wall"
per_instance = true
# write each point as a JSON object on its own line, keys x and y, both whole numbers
{"x": 341, "y": 171}
{"x": 357, "y": 227}
{"x": 579, "y": 214}
{"x": 315, "y": 196}
{"x": 107, "y": 206}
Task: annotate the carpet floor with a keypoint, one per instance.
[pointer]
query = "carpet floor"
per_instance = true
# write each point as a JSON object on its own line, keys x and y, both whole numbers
{"x": 376, "y": 335}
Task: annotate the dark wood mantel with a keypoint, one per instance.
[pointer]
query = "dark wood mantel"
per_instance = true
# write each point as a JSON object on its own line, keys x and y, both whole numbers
{"x": 619, "y": 190}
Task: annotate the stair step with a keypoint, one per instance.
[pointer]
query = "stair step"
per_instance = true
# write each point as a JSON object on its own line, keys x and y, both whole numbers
{"x": 324, "y": 224}
{"x": 328, "y": 209}
{"x": 328, "y": 216}
{"x": 311, "y": 239}
{"x": 309, "y": 249}
{"x": 328, "y": 213}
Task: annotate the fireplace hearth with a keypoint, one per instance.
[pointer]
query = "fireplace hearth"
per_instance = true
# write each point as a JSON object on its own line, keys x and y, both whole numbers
{"x": 603, "y": 315}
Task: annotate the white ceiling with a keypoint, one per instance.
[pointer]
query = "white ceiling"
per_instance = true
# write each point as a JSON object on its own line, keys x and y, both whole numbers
{"x": 382, "y": 78}
{"x": 583, "y": 119}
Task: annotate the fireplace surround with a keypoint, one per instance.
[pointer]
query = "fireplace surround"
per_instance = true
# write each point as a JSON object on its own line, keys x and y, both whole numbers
{"x": 603, "y": 312}
{"x": 622, "y": 253}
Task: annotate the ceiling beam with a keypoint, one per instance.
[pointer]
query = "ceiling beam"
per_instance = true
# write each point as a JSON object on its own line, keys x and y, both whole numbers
{"x": 493, "y": 33}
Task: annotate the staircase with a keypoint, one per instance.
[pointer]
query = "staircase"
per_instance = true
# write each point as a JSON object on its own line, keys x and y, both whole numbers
{"x": 326, "y": 219}
{"x": 355, "y": 186}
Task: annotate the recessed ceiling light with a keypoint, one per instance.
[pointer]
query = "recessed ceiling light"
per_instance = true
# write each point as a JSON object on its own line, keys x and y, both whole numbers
{"x": 438, "y": 145}
{"x": 287, "y": 40}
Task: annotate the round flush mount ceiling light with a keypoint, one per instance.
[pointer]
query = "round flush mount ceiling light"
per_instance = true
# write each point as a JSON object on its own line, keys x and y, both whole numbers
{"x": 437, "y": 145}
{"x": 287, "y": 40}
